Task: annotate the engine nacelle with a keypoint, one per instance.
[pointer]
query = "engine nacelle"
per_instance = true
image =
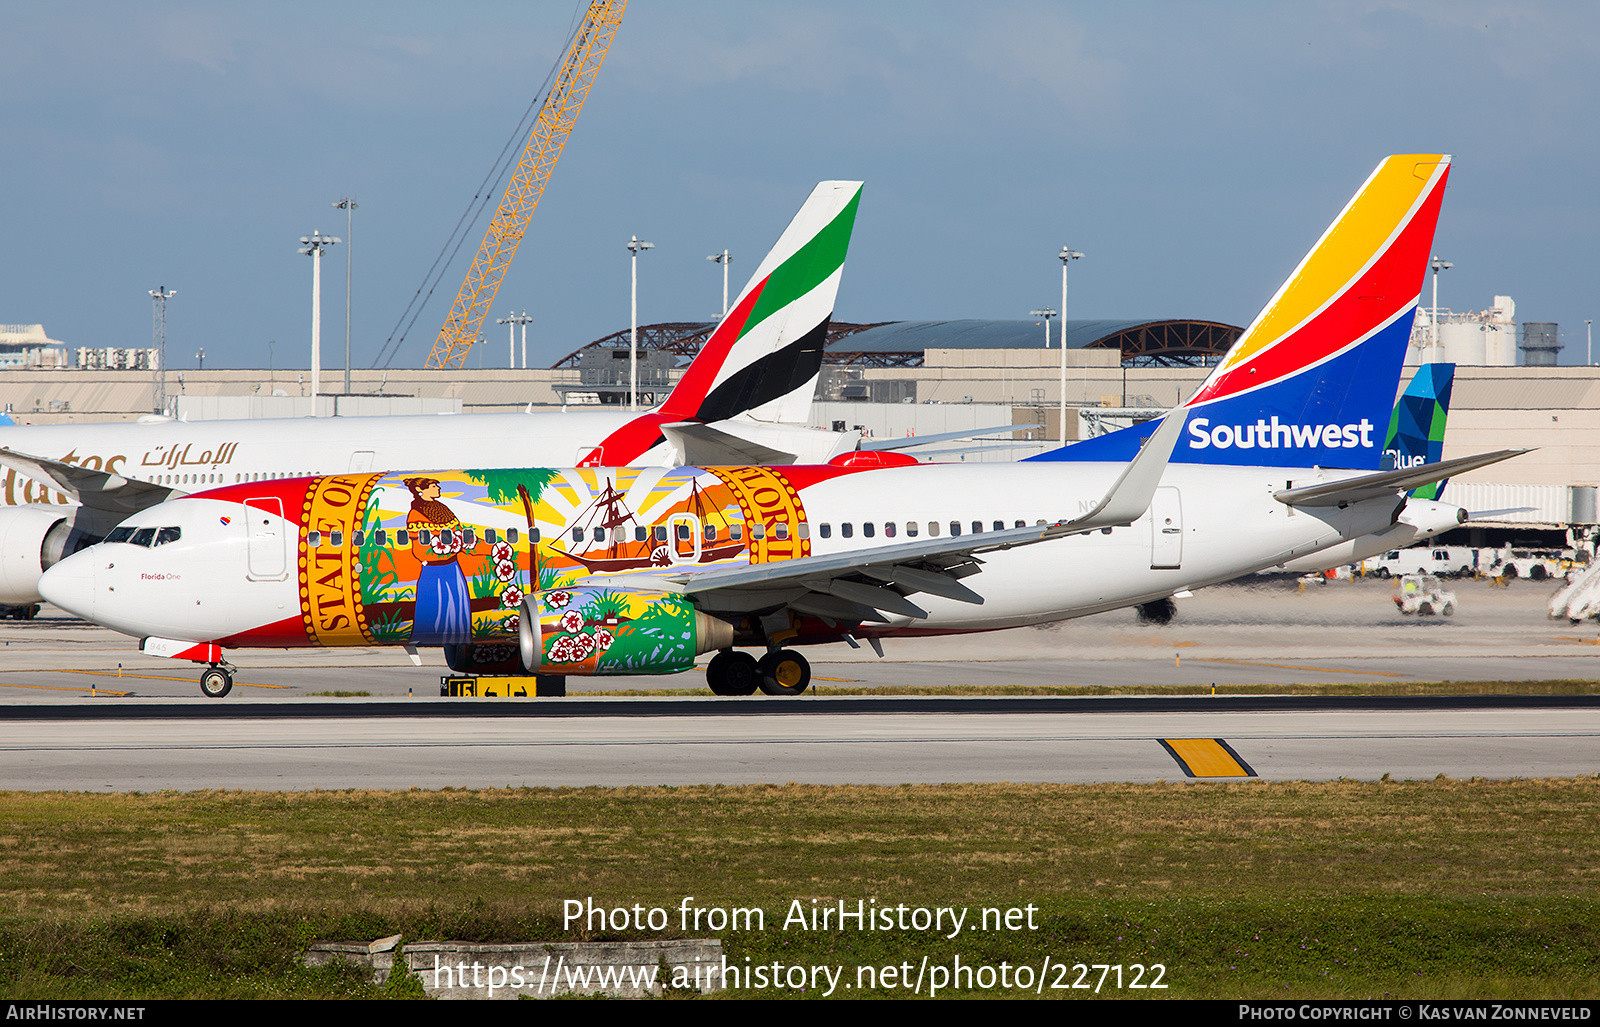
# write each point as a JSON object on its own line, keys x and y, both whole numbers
{"x": 589, "y": 630}
{"x": 33, "y": 538}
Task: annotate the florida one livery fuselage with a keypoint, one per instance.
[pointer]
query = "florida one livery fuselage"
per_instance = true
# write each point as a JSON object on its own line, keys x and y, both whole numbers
{"x": 612, "y": 563}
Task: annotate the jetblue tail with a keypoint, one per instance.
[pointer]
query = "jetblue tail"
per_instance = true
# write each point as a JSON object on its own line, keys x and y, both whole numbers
{"x": 1312, "y": 380}
{"x": 1416, "y": 427}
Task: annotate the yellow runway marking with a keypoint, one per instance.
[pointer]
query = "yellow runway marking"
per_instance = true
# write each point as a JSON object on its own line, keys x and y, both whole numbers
{"x": 1206, "y": 757}
{"x": 156, "y": 677}
{"x": 63, "y": 688}
{"x": 1290, "y": 666}
{"x": 847, "y": 680}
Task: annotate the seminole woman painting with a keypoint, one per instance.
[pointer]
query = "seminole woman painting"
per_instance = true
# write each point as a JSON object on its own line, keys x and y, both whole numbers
{"x": 443, "y": 614}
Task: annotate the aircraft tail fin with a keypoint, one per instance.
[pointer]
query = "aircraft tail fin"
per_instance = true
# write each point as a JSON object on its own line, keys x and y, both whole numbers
{"x": 1313, "y": 378}
{"x": 1416, "y": 427}
{"x": 764, "y": 358}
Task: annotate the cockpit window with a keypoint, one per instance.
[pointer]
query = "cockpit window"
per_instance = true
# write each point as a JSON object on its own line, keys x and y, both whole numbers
{"x": 121, "y": 534}
{"x": 165, "y": 535}
{"x": 143, "y": 537}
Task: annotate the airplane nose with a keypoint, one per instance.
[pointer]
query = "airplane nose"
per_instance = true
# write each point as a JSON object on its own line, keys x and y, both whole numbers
{"x": 70, "y": 584}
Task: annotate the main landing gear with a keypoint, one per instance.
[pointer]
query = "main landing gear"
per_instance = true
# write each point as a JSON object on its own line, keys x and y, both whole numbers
{"x": 780, "y": 672}
{"x": 217, "y": 681}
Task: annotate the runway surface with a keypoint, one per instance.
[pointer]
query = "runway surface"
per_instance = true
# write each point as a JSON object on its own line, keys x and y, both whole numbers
{"x": 149, "y": 729}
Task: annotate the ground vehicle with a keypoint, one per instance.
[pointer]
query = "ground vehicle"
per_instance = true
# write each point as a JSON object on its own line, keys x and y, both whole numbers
{"x": 1423, "y": 595}
{"x": 1535, "y": 565}
{"x": 1450, "y": 561}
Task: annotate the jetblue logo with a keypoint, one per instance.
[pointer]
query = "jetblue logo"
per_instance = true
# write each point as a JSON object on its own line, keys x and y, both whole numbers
{"x": 1276, "y": 435}
{"x": 1396, "y": 461}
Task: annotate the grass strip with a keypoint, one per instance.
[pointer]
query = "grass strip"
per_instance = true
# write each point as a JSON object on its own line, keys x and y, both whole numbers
{"x": 1432, "y": 889}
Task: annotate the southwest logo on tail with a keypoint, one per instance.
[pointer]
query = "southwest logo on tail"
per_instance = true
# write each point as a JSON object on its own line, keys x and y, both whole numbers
{"x": 763, "y": 360}
{"x": 1311, "y": 381}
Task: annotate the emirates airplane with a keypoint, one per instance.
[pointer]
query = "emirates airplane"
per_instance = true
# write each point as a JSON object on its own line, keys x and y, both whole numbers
{"x": 744, "y": 399}
{"x": 637, "y": 570}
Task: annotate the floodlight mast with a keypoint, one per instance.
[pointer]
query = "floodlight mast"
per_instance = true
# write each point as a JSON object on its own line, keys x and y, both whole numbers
{"x": 1437, "y": 265}
{"x": 723, "y": 259}
{"x": 349, "y": 207}
{"x": 312, "y": 246}
{"x": 160, "y": 296}
{"x": 634, "y": 246}
{"x": 1066, "y": 256}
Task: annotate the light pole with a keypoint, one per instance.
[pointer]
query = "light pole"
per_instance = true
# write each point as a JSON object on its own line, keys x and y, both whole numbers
{"x": 158, "y": 331}
{"x": 511, "y": 320}
{"x": 201, "y": 356}
{"x": 312, "y": 245}
{"x": 1437, "y": 265}
{"x": 634, "y": 246}
{"x": 349, "y": 207}
{"x": 1047, "y": 313}
{"x": 1588, "y": 328}
{"x": 1066, "y": 256}
{"x": 723, "y": 259}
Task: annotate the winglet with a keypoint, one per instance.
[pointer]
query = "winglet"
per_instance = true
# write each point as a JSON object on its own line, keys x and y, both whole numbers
{"x": 1129, "y": 497}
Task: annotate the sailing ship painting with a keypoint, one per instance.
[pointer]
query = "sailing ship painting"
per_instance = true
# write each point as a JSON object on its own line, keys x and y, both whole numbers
{"x": 613, "y": 539}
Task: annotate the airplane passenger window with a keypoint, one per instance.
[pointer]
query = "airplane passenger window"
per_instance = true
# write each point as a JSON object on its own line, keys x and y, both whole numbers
{"x": 577, "y": 534}
{"x": 120, "y": 534}
{"x": 911, "y": 529}
{"x": 337, "y": 538}
{"x": 381, "y": 536}
{"x": 660, "y": 532}
{"x": 166, "y": 535}
{"x": 826, "y": 530}
{"x": 358, "y": 539}
{"x": 425, "y": 536}
{"x": 933, "y": 529}
{"x": 711, "y": 533}
{"x": 758, "y": 531}
{"x": 889, "y": 529}
{"x": 143, "y": 537}
{"x": 1022, "y": 524}
{"x": 619, "y": 534}
{"x": 780, "y": 530}
{"x": 640, "y": 533}
{"x": 314, "y": 539}
{"x": 469, "y": 537}
{"x": 846, "y": 529}
{"x": 446, "y": 537}
{"x": 805, "y": 529}
{"x": 977, "y": 526}
{"x": 736, "y": 532}
{"x": 955, "y": 528}
{"x": 511, "y": 536}
{"x": 683, "y": 531}
{"x": 867, "y": 529}
{"x": 402, "y": 537}
{"x": 491, "y": 536}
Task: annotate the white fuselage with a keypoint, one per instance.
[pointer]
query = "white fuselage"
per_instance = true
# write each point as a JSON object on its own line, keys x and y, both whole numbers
{"x": 1206, "y": 524}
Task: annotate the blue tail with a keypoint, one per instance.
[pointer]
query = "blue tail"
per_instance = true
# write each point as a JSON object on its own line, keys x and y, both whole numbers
{"x": 1416, "y": 428}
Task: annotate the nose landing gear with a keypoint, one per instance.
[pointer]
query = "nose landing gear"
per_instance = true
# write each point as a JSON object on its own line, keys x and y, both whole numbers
{"x": 217, "y": 681}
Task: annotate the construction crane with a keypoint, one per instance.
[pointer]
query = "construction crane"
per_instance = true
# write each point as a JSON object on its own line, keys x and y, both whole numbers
{"x": 539, "y": 156}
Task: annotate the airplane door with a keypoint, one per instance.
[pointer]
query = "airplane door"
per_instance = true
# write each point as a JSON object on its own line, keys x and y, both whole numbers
{"x": 264, "y": 517}
{"x": 680, "y": 549}
{"x": 1166, "y": 529}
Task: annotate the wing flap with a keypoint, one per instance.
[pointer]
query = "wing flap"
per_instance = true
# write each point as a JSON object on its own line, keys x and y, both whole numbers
{"x": 1384, "y": 483}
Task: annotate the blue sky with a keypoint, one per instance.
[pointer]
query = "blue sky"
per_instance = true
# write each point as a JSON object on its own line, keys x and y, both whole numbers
{"x": 1192, "y": 151}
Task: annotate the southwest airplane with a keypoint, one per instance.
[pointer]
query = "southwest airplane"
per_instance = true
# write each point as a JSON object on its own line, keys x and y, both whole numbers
{"x": 744, "y": 399}
{"x": 636, "y": 570}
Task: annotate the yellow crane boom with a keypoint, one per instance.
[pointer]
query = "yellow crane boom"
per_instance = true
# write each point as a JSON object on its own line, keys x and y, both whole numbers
{"x": 539, "y": 156}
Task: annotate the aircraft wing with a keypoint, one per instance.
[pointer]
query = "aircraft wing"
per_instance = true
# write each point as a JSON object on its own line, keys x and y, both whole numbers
{"x": 1374, "y": 486}
{"x": 91, "y": 488}
{"x": 701, "y": 445}
{"x": 860, "y": 583}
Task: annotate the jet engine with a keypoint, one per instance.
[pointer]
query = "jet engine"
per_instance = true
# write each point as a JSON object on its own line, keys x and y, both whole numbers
{"x": 34, "y": 538}
{"x": 593, "y": 630}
